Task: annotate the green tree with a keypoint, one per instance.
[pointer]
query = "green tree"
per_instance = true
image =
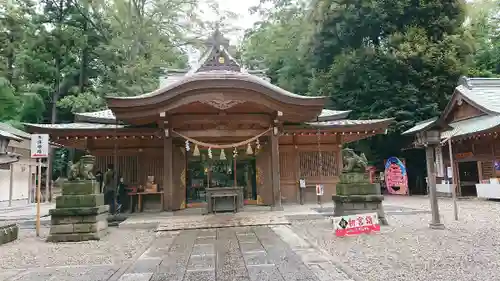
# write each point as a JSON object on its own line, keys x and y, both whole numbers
{"x": 482, "y": 24}
{"x": 9, "y": 102}
{"x": 279, "y": 45}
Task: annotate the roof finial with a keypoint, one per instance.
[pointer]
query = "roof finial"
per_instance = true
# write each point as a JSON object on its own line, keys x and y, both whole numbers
{"x": 217, "y": 39}
{"x": 464, "y": 81}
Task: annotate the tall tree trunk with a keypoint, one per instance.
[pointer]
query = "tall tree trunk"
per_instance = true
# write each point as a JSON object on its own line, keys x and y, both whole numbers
{"x": 57, "y": 91}
{"x": 57, "y": 87}
{"x": 85, "y": 52}
{"x": 10, "y": 59}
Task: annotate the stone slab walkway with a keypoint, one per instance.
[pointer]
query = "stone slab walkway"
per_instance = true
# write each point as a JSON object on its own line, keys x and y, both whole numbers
{"x": 256, "y": 253}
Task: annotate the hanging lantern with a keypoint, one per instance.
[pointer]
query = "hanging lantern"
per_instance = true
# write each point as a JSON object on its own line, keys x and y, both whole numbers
{"x": 210, "y": 152}
{"x": 187, "y": 146}
{"x": 257, "y": 144}
{"x": 196, "y": 151}
{"x": 249, "y": 149}
{"x": 222, "y": 155}
{"x": 235, "y": 152}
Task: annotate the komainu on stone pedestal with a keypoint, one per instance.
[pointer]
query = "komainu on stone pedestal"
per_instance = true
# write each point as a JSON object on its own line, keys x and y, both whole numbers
{"x": 355, "y": 194}
{"x": 80, "y": 213}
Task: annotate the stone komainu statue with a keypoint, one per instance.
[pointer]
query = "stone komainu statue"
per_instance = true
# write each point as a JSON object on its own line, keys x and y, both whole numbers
{"x": 353, "y": 162}
{"x": 81, "y": 170}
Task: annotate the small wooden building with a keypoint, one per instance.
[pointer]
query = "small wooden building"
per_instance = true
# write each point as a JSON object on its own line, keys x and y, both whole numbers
{"x": 218, "y": 125}
{"x": 473, "y": 118}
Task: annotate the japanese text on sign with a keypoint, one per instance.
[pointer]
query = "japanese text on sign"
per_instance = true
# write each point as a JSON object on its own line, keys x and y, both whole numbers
{"x": 356, "y": 224}
{"x": 39, "y": 146}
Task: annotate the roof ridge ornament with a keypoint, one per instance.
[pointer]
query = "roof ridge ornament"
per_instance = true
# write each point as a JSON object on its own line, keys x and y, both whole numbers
{"x": 464, "y": 81}
{"x": 217, "y": 57}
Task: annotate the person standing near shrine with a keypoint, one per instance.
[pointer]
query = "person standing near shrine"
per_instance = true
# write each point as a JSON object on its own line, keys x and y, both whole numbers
{"x": 110, "y": 188}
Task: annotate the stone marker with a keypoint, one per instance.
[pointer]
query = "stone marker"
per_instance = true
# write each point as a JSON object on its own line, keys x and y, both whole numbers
{"x": 355, "y": 194}
{"x": 8, "y": 232}
{"x": 80, "y": 213}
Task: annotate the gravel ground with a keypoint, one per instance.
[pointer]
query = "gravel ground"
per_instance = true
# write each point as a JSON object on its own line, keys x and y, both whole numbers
{"x": 30, "y": 251}
{"x": 468, "y": 249}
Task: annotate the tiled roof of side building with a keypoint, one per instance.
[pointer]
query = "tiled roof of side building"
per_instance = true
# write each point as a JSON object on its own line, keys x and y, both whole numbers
{"x": 77, "y": 126}
{"x": 420, "y": 126}
{"x": 485, "y": 92}
{"x": 8, "y": 128}
{"x": 9, "y": 136}
{"x": 347, "y": 123}
{"x": 330, "y": 115}
{"x": 101, "y": 116}
{"x": 107, "y": 116}
{"x": 472, "y": 125}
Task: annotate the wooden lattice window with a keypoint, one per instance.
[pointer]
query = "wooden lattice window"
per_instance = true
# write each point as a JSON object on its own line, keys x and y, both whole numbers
{"x": 309, "y": 164}
{"x": 127, "y": 166}
{"x": 287, "y": 164}
{"x": 488, "y": 170}
{"x": 497, "y": 149}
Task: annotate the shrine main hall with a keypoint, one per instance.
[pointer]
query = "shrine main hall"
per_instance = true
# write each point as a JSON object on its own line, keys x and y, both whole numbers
{"x": 218, "y": 125}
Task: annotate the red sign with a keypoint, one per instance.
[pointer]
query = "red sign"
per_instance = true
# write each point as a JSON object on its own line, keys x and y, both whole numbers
{"x": 396, "y": 177}
{"x": 356, "y": 224}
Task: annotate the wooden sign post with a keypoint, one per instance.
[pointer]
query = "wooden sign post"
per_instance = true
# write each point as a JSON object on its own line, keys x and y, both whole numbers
{"x": 39, "y": 150}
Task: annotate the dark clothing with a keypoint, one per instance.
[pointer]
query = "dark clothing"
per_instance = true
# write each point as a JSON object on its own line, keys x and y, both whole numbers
{"x": 109, "y": 181}
{"x": 109, "y": 199}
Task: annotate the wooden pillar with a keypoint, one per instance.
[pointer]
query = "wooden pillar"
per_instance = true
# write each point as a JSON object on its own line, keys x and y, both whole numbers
{"x": 167, "y": 172}
{"x": 30, "y": 181}
{"x": 275, "y": 166}
{"x": 11, "y": 183}
{"x": 48, "y": 176}
{"x": 340, "y": 159}
{"x": 296, "y": 171}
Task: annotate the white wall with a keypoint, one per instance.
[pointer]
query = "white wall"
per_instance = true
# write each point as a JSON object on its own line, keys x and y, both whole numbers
{"x": 21, "y": 177}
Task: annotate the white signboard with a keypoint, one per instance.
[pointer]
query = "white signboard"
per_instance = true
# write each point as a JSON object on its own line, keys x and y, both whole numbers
{"x": 439, "y": 161}
{"x": 320, "y": 190}
{"x": 449, "y": 172}
{"x": 39, "y": 146}
{"x": 356, "y": 224}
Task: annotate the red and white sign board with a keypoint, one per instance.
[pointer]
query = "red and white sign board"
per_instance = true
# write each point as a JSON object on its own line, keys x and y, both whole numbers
{"x": 39, "y": 146}
{"x": 356, "y": 224}
{"x": 320, "y": 190}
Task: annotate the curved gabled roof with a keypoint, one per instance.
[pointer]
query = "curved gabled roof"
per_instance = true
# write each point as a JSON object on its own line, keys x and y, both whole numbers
{"x": 217, "y": 79}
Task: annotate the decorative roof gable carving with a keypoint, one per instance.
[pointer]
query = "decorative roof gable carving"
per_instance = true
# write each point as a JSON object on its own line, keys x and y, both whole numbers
{"x": 217, "y": 56}
{"x": 219, "y": 59}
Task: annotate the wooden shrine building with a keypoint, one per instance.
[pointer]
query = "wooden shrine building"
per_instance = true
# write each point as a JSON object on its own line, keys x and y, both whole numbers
{"x": 472, "y": 118}
{"x": 218, "y": 125}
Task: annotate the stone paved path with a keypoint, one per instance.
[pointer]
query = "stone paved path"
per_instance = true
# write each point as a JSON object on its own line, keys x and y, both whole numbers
{"x": 257, "y": 253}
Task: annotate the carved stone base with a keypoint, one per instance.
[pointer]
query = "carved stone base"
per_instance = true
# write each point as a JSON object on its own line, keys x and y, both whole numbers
{"x": 359, "y": 204}
{"x": 80, "y": 214}
{"x": 356, "y": 195}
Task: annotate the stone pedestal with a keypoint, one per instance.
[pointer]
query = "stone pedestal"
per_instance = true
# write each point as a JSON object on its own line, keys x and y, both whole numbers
{"x": 356, "y": 195}
{"x": 80, "y": 213}
{"x": 8, "y": 232}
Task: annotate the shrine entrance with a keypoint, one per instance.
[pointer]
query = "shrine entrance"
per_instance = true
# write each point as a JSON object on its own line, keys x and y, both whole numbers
{"x": 217, "y": 169}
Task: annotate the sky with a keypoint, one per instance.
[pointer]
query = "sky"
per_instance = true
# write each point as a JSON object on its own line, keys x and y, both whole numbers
{"x": 245, "y": 20}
